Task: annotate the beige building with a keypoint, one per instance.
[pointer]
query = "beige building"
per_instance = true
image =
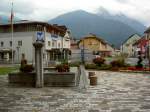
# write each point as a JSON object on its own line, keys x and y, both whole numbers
{"x": 128, "y": 45}
{"x": 96, "y": 45}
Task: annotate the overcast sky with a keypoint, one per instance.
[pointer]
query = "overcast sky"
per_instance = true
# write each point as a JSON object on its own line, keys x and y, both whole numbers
{"x": 47, "y": 9}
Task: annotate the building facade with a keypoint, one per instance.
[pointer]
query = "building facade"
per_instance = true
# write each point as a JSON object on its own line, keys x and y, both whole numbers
{"x": 141, "y": 46}
{"x": 95, "y": 44}
{"x": 127, "y": 46}
{"x": 147, "y": 37}
{"x": 56, "y": 41}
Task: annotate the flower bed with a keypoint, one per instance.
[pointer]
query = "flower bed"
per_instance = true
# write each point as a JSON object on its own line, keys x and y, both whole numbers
{"x": 138, "y": 69}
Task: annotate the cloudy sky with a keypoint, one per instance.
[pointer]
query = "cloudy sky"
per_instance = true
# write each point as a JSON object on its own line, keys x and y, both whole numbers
{"x": 47, "y": 9}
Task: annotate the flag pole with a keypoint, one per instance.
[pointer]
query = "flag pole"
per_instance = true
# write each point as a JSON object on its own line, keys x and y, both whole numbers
{"x": 12, "y": 32}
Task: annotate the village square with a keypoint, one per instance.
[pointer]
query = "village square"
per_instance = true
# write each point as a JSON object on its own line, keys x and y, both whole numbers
{"x": 44, "y": 67}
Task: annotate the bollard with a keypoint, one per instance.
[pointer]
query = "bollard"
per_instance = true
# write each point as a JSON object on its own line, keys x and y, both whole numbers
{"x": 91, "y": 74}
{"x": 93, "y": 80}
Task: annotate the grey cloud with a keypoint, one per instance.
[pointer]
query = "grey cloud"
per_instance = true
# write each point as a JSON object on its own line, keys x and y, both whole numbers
{"x": 123, "y": 1}
{"x": 22, "y": 7}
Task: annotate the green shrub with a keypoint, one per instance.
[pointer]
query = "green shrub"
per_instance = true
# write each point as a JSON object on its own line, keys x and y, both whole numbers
{"x": 94, "y": 66}
{"x": 104, "y": 67}
{"x": 90, "y": 66}
{"x": 74, "y": 64}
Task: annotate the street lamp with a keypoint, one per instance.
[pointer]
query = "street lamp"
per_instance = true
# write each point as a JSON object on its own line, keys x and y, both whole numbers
{"x": 82, "y": 53}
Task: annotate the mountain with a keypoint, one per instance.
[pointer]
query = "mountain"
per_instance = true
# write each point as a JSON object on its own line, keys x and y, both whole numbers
{"x": 3, "y": 19}
{"x": 81, "y": 23}
{"x": 122, "y": 18}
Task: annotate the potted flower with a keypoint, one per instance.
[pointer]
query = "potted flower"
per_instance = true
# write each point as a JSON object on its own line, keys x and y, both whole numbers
{"x": 62, "y": 68}
{"x": 27, "y": 68}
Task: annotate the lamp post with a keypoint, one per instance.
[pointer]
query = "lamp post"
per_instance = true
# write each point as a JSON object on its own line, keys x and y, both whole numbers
{"x": 148, "y": 49}
{"x": 82, "y": 53}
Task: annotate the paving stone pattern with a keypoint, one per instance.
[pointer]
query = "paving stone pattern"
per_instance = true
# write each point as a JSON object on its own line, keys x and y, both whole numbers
{"x": 115, "y": 92}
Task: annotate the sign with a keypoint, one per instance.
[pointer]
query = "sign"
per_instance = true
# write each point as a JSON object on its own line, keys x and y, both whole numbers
{"x": 40, "y": 36}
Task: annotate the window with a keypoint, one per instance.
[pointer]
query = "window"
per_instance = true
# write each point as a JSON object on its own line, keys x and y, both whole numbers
{"x": 2, "y": 44}
{"x": 53, "y": 44}
{"x": 49, "y": 43}
{"x": 90, "y": 43}
{"x": 10, "y": 43}
{"x": 19, "y": 43}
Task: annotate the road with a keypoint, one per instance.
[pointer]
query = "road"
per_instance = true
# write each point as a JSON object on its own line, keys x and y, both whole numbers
{"x": 115, "y": 92}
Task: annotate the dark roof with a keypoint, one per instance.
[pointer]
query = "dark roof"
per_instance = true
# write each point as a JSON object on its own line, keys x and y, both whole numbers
{"x": 62, "y": 29}
{"x": 24, "y": 22}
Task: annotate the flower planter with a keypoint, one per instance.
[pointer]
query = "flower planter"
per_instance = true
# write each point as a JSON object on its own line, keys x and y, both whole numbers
{"x": 91, "y": 74}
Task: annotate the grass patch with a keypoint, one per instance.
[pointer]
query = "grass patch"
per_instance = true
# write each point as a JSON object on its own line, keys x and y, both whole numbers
{"x": 6, "y": 70}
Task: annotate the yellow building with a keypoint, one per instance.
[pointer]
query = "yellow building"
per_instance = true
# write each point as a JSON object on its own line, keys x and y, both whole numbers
{"x": 95, "y": 44}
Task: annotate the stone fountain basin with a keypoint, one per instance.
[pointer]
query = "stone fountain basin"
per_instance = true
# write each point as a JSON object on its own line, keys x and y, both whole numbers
{"x": 50, "y": 78}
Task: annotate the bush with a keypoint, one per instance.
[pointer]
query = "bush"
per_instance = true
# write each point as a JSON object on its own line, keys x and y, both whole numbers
{"x": 139, "y": 63}
{"x": 94, "y": 66}
{"x": 99, "y": 61}
{"x": 104, "y": 67}
{"x": 27, "y": 68}
{"x": 118, "y": 63}
{"x": 90, "y": 66}
{"x": 62, "y": 68}
{"x": 74, "y": 64}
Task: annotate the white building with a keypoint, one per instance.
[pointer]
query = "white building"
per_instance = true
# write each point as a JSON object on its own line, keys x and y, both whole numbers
{"x": 56, "y": 41}
{"x": 127, "y": 46}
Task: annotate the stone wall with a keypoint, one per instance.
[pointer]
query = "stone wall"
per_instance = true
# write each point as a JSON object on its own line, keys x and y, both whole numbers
{"x": 59, "y": 79}
{"x": 50, "y": 79}
{"x": 24, "y": 79}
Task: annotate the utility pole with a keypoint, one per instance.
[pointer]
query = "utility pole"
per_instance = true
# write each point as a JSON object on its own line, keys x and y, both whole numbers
{"x": 12, "y": 31}
{"x": 148, "y": 49}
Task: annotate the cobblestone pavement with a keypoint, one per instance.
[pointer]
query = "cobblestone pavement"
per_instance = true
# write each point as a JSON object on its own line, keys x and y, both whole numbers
{"x": 115, "y": 92}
